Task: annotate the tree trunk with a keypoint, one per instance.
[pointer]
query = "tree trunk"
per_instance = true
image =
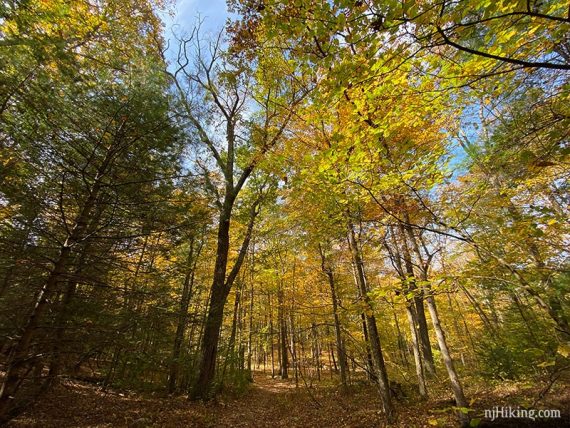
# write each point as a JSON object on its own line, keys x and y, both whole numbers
{"x": 18, "y": 362}
{"x": 63, "y": 317}
{"x": 293, "y": 349}
{"x": 424, "y": 333}
{"x": 250, "y": 332}
{"x": 407, "y": 277}
{"x": 401, "y": 339}
{"x": 284, "y": 362}
{"x": 315, "y": 350}
{"x": 271, "y": 340}
{"x": 219, "y": 293}
{"x": 187, "y": 287}
{"x": 369, "y": 363}
{"x": 337, "y": 327}
{"x": 375, "y": 346}
{"x": 486, "y": 321}
{"x": 221, "y": 286}
{"x": 230, "y": 353}
{"x": 456, "y": 387}
{"x": 418, "y": 299}
{"x": 203, "y": 387}
{"x": 410, "y": 310}
{"x": 64, "y": 311}
{"x": 371, "y": 372}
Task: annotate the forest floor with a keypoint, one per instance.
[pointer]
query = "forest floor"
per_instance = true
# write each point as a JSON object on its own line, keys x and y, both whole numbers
{"x": 279, "y": 403}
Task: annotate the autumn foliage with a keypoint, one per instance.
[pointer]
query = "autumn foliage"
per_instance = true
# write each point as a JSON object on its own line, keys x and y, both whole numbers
{"x": 362, "y": 199}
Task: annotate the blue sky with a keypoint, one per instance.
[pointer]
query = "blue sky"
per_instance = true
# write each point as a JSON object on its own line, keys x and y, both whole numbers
{"x": 212, "y": 12}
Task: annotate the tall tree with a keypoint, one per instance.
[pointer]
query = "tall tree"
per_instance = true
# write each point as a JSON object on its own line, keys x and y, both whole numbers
{"x": 220, "y": 91}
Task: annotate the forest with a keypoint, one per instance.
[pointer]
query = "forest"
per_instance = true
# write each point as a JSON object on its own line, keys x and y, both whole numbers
{"x": 340, "y": 213}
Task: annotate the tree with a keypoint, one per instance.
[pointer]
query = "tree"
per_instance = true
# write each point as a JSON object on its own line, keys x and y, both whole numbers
{"x": 116, "y": 138}
{"x": 219, "y": 91}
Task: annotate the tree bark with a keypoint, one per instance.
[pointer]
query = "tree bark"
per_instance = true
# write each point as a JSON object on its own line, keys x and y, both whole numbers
{"x": 221, "y": 286}
{"x": 19, "y": 361}
{"x": 218, "y": 296}
{"x": 187, "y": 287}
{"x": 408, "y": 287}
{"x": 341, "y": 355}
{"x": 401, "y": 339}
{"x": 230, "y": 353}
{"x": 456, "y": 387}
{"x": 250, "y": 331}
{"x": 418, "y": 298}
{"x": 410, "y": 311}
{"x": 284, "y": 362}
{"x": 375, "y": 346}
{"x": 271, "y": 340}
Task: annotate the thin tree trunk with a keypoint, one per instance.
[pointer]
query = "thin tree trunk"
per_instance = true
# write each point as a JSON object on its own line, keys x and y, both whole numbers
{"x": 526, "y": 322}
{"x": 371, "y": 372}
{"x": 418, "y": 299}
{"x": 187, "y": 290}
{"x": 409, "y": 287}
{"x": 250, "y": 333}
{"x": 486, "y": 321}
{"x": 456, "y": 387}
{"x": 64, "y": 311}
{"x": 293, "y": 348}
{"x": 271, "y": 337}
{"x": 284, "y": 361}
{"x": 339, "y": 341}
{"x": 64, "y": 315}
{"x": 330, "y": 355}
{"x": 369, "y": 363}
{"x": 236, "y": 319}
{"x": 401, "y": 339}
{"x": 337, "y": 327}
{"x": 410, "y": 310}
{"x": 376, "y": 349}
{"x": 316, "y": 350}
{"x": 334, "y": 364}
{"x": 424, "y": 333}
{"x": 465, "y": 327}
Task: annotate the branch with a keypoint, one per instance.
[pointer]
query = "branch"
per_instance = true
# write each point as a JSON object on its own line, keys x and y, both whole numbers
{"x": 415, "y": 226}
{"x": 210, "y": 186}
{"x": 254, "y": 211}
{"x": 525, "y": 64}
{"x": 506, "y": 15}
{"x": 201, "y": 132}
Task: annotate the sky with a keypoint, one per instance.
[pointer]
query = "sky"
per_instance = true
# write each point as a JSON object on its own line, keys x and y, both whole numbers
{"x": 186, "y": 12}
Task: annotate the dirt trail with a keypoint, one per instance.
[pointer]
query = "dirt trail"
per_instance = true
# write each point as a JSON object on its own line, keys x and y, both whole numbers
{"x": 267, "y": 403}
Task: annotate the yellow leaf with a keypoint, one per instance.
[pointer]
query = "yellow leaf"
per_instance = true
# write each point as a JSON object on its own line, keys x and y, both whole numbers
{"x": 564, "y": 350}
